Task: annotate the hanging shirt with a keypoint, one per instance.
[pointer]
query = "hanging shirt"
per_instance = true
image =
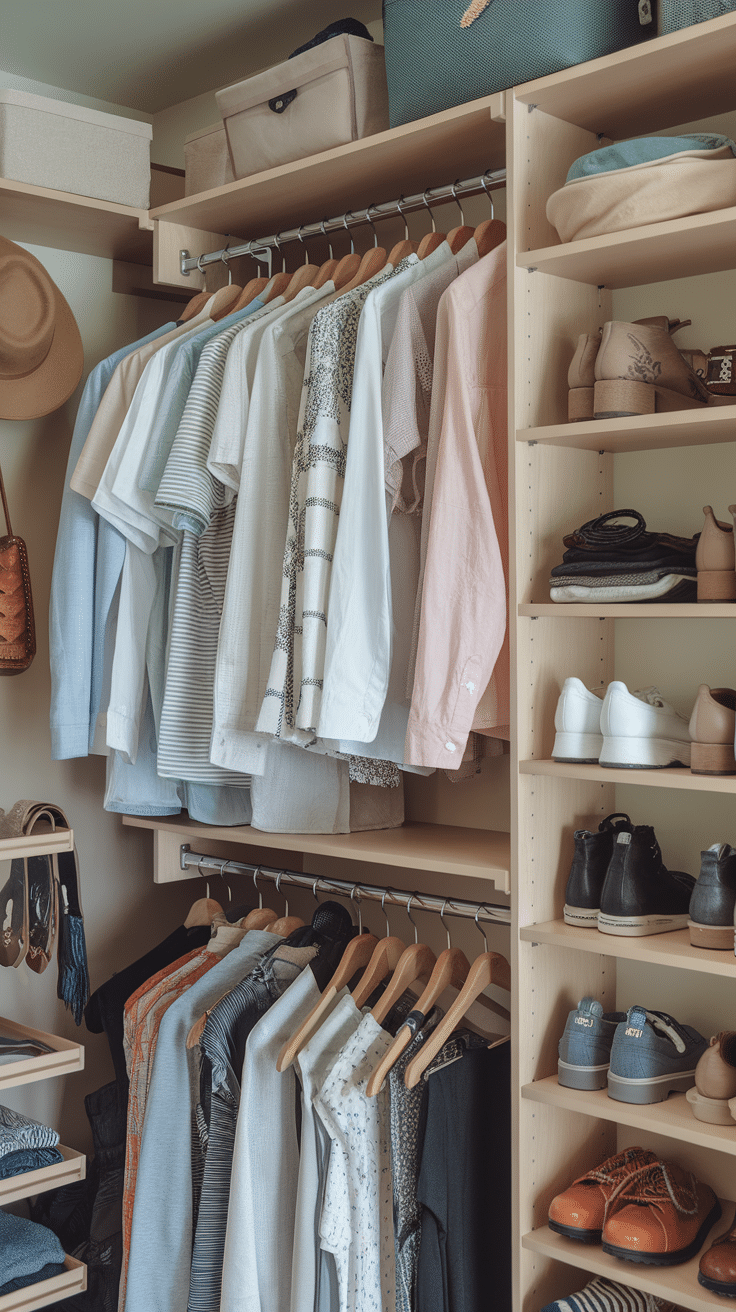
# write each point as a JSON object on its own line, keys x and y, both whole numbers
{"x": 161, "y": 1236}
{"x": 360, "y": 618}
{"x": 405, "y": 1111}
{"x": 256, "y": 1275}
{"x": 87, "y": 563}
{"x": 313, "y": 1270}
{"x": 463, "y": 615}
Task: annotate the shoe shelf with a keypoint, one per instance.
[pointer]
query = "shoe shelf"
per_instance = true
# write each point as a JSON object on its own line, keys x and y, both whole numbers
{"x": 673, "y": 1117}
{"x": 66, "y": 1057}
{"x": 71, "y": 1169}
{"x": 702, "y": 427}
{"x": 676, "y": 1284}
{"x": 673, "y": 949}
{"x": 38, "y": 844}
{"x": 653, "y": 610}
{"x": 671, "y": 777}
{"x": 678, "y": 248}
{"x": 73, "y": 1280}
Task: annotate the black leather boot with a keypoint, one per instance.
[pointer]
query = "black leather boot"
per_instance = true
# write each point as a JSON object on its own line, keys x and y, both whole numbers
{"x": 713, "y": 899}
{"x": 588, "y": 870}
{"x": 640, "y": 895}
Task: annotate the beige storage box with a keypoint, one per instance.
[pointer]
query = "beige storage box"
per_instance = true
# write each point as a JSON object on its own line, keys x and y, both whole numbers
{"x": 329, "y": 95}
{"x": 206, "y": 160}
{"x": 49, "y": 143}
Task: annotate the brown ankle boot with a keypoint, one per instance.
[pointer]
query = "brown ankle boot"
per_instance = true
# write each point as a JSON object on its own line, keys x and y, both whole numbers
{"x": 639, "y": 370}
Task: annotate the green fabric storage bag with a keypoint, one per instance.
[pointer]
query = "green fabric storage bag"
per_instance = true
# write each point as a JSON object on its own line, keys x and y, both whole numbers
{"x": 434, "y": 62}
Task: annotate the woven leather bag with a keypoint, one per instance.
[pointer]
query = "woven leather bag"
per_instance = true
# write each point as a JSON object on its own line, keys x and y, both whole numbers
{"x": 17, "y": 629}
{"x": 450, "y": 51}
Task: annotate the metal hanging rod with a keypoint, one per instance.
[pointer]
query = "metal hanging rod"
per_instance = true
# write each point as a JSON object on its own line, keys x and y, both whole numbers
{"x": 491, "y": 180}
{"x": 499, "y": 915}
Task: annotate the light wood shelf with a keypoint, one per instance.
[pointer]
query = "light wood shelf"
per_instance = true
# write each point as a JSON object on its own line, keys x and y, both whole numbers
{"x": 672, "y": 777}
{"x": 44, "y": 217}
{"x": 65, "y": 1058}
{"x": 676, "y": 1284}
{"x": 679, "y": 248}
{"x": 661, "y": 83}
{"x": 705, "y": 427}
{"x": 73, "y": 1168}
{"x": 673, "y": 949}
{"x": 475, "y": 853}
{"x": 653, "y": 610}
{"x": 673, "y": 1117}
{"x": 38, "y": 844}
{"x": 71, "y": 1281}
{"x": 457, "y": 143}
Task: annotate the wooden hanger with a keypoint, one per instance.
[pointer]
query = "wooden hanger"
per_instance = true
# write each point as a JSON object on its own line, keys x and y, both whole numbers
{"x": 371, "y": 263}
{"x": 459, "y": 237}
{"x": 326, "y": 272}
{"x": 356, "y": 956}
{"x": 202, "y": 912}
{"x": 224, "y": 301}
{"x": 432, "y": 239}
{"x": 304, "y": 277}
{"x": 451, "y": 967}
{"x": 260, "y": 918}
{"x": 277, "y": 286}
{"x": 416, "y": 962}
{"x": 488, "y": 235}
{"x": 249, "y": 293}
{"x": 386, "y": 958}
{"x": 346, "y": 270}
{"x": 403, "y": 248}
{"x": 194, "y": 306}
{"x": 488, "y": 968}
{"x": 285, "y": 925}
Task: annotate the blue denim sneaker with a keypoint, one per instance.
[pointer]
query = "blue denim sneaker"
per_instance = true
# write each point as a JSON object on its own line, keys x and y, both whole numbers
{"x": 585, "y": 1047}
{"x": 652, "y": 1056}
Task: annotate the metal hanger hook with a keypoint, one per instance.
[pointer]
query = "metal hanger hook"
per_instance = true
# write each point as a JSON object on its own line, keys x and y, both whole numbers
{"x": 401, "y": 212}
{"x": 277, "y": 243}
{"x": 199, "y": 266}
{"x": 278, "y": 890}
{"x": 444, "y": 926}
{"x": 356, "y": 898}
{"x": 315, "y": 886}
{"x": 205, "y": 877}
{"x": 489, "y": 195}
{"x": 453, "y": 189}
{"x": 306, "y": 252}
{"x": 370, "y": 220}
{"x": 256, "y": 873}
{"x": 429, "y": 211}
{"x": 222, "y": 877}
{"x": 324, "y": 234}
{"x": 226, "y": 261}
{"x": 349, "y": 215}
{"x": 412, "y": 922}
{"x": 479, "y": 926}
{"x": 384, "y": 895}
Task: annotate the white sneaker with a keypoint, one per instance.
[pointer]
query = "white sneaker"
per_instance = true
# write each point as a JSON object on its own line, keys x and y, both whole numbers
{"x": 641, "y": 730}
{"x": 578, "y": 734}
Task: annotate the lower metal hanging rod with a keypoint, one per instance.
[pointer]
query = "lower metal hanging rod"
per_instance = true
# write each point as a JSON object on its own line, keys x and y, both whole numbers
{"x": 489, "y": 181}
{"x": 500, "y": 915}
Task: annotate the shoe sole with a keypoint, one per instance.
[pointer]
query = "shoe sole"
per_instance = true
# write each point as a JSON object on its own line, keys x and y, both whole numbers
{"x": 717, "y": 1286}
{"x": 667, "y": 1259}
{"x": 577, "y": 748}
{"x": 655, "y": 1088}
{"x": 582, "y": 1236}
{"x": 640, "y": 926}
{"x": 712, "y": 1111}
{"x": 588, "y": 1078}
{"x": 643, "y": 753}
{"x": 617, "y": 397}
{"x": 584, "y": 917}
{"x": 719, "y": 937}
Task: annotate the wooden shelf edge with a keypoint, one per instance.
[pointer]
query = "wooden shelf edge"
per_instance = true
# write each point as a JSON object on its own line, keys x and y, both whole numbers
{"x": 65, "y": 1058}
{"x": 73, "y": 1280}
{"x": 709, "y": 426}
{"x": 677, "y": 1284}
{"x": 73, "y": 199}
{"x": 671, "y": 777}
{"x": 672, "y": 1118}
{"x": 673, "y": 949}
{"x": 73, "y": 1167}
{"x": 663, "y": 610}
{"x": 61, "y": 840}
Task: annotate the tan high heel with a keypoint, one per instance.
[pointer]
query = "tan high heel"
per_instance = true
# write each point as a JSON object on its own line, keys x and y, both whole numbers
{"x": 639, "y": 370}
{"x": 581, "y": 376}
{"x": 711, "y": 727}
{"x": 715, "y": 559}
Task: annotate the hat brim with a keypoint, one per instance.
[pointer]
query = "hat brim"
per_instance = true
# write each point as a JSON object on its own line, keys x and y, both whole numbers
{"x": 52, "y": 383}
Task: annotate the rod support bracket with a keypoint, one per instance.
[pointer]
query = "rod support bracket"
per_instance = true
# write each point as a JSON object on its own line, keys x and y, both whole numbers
{"x": 184, "y": 850}
{"x": 184, "y": 255}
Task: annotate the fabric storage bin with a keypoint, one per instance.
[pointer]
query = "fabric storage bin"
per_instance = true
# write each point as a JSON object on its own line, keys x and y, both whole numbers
{"x": 325, "y": 97}
{"x": 674, "y": 14}
{"x": 206, "y": 160}
{"x": 446, "y": 53}
{"x": 49, "y": 143}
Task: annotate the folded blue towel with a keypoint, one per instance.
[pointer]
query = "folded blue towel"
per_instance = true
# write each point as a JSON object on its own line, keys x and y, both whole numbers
{"x": 28, "y": 1159}
{"x": 17, "y": 1132}
{"x": 25, "y": 1247}
{"x": 644, "y": 150}
{"x": 20, "y": 1282}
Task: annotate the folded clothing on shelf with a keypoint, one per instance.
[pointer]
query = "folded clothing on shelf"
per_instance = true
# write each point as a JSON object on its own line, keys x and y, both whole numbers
{"x": 19, "y": 1132}
{"x": 28, "y": 1159}
{"x": 607, "y": 560}
{"x": 25, "y": 1249}
{"x": 646, "y": 180}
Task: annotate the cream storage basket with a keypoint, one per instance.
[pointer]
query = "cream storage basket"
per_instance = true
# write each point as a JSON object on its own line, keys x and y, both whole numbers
{"x": 206, "y": 160}
{"x": 325, "y": 97}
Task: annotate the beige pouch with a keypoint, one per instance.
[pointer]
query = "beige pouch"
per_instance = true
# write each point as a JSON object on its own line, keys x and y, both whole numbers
{"x": 341, "y": 95}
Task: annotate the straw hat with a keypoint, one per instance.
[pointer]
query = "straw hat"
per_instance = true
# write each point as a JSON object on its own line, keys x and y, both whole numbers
{"x": 41, "y": 355}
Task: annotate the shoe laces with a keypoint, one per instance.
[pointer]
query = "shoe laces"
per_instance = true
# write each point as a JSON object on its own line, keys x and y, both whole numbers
{"x": 656, "y": 1183}
{"x": 621, "y": 1164}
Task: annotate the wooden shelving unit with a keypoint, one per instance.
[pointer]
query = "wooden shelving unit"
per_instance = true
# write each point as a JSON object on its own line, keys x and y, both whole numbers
{"x": 75, "y": 223}
{"x": 65, "y": 1058}
{"x": 672, "y": 777}
{"x": 654, "y": 610}
{"x": 71, "y": 1281}
{"x": 702, "y": 427}
{"x": 673, "y": 949}
{"x": 71, "y": 1169}
{"x": 38, "y": 844}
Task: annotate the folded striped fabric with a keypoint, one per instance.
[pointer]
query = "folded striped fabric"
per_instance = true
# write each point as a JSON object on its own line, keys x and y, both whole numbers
{"x": 18, "y": 1132}
{"x": 604, "y": 1295}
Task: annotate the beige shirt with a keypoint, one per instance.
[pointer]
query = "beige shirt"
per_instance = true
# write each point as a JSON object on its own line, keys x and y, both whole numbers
{"x": 114, "y": 406}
